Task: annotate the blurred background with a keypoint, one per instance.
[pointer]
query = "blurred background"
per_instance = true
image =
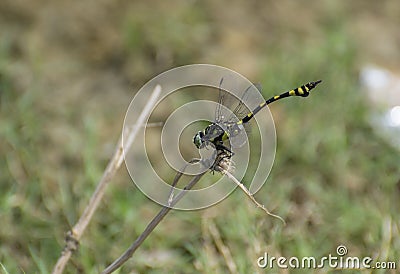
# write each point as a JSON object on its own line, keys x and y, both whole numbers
{"x": 68, "y": 71}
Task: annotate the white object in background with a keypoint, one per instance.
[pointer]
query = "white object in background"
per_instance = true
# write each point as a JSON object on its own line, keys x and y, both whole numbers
{"x": 383, "y": 89}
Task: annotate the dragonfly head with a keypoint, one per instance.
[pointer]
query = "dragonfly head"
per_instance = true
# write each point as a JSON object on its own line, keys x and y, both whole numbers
{"x": 198, "y": 139}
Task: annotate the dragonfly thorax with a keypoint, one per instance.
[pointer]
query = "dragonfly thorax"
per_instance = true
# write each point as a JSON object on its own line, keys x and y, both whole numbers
{"x": 213, "y": 134}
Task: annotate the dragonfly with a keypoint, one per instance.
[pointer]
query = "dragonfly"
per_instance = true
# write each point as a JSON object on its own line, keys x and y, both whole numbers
{"x": 223, "y": 129}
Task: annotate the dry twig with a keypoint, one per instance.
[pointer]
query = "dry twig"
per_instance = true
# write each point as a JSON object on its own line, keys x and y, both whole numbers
{"x": 156, "y": 220}
{"x": 74, "y": 235}
{"x": 172, "y": 200}
{"x": 247, "y": 192}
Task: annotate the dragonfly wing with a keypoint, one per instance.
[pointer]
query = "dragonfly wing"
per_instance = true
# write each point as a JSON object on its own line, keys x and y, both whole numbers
{"x": 221, "y": 98}
{"x": 241, "y": 109}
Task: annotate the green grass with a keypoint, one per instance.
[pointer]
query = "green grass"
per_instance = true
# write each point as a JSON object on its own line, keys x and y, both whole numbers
{"x": 334, "y": 180}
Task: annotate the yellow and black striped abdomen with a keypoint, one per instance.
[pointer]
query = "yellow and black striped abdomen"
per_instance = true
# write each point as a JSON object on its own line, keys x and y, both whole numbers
{"x": 302, "y": 91}
{"x": 251, "y": 114}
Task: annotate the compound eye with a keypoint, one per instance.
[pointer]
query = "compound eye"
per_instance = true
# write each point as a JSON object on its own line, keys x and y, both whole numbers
{"x": 197, "y": 140}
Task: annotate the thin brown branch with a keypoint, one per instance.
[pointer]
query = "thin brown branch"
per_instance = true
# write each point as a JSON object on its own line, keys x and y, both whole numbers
{"x": 247, "y": 192}
{"x": 154, "y": 222}
{"x": 74, "y": 235}
{"x": 177, "y": 178}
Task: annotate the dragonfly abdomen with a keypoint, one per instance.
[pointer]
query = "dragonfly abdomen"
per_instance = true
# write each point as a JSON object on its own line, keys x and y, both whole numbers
{"x": 302, "y": 91}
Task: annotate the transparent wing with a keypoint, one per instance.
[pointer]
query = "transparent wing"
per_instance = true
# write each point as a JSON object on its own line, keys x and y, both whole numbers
{"x": 219, "y": 117}
{"x": 240, "y": 111}
{"x": 230, "y": 110}
{"x": 239, "y": 132}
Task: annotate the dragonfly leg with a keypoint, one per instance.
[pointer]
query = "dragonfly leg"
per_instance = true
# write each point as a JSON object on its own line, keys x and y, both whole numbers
{"x": 224, "y": 149}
